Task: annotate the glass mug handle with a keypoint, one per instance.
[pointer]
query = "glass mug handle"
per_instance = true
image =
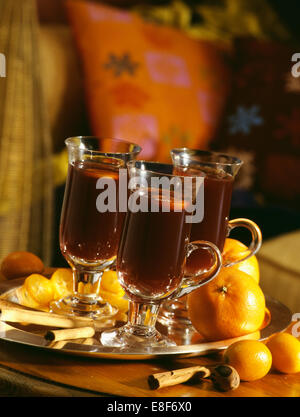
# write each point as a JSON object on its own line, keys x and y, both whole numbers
{"x": 255, "y": 243}
{"x": 194, "y": 281}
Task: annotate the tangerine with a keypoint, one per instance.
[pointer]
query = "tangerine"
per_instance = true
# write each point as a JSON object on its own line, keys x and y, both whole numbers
{"x": 231, "y": 305}
{"x": 233, "y": 251}
{"x": 21, "y": 264}
{"x": 285, "y": 350}
{"x": 109, "y": 282}
{"x": 252, "y": 359}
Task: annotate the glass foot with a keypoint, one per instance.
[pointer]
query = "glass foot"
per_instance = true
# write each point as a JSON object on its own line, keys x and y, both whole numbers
{"x": 135, "y": 338}
{"x": 73, "y": 306}
{"x": 173, "y": 316}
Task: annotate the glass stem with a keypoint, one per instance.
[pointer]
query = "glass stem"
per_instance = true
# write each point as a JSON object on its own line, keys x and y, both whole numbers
{"x": 142, "y": 318}
{"x": 86, "y": 285}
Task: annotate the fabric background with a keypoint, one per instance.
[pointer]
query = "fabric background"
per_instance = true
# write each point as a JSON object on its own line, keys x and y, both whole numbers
{"x": 26, "y": 185}
{"x": 148, "y": 82}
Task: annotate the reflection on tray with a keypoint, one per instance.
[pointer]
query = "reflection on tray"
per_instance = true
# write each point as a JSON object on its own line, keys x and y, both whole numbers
{"x": 278, "y": 317}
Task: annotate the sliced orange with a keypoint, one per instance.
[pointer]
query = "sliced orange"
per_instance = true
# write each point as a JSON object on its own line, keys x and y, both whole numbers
{"x": 115, "y": 300}
{"x": 25, "y": 299}
{"x": 62, "y": 283}
{"x": 121, "y": 317}
{"x": 39, "y": 288}
{"x": 110, "y": 283}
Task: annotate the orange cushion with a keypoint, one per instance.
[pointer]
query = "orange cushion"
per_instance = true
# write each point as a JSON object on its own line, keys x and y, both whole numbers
{"x": 147, "y": 83}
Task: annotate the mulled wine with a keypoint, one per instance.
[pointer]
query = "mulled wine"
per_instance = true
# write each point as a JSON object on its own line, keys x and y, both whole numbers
{"x": 152, "y": 249}
{"x": 85, "y": 233}
{"x": 217, "y": 200}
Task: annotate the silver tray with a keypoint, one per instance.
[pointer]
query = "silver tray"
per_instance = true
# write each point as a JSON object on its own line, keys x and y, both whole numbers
{"x": 32, "y": 335}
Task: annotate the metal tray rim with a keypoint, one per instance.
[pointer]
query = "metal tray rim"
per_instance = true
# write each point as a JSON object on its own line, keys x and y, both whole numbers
{"x": 281, "y": 317}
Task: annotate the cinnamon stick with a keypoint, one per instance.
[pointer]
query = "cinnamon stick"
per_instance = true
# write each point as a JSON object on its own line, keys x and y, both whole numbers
{"x": 18, "y": 315}
{"x": 69, "y": 334}
{"x": 223, "y": 377}
{"x": 88, "y": 341}
{"x": 61, "y": 343}
{"x": 57, "y": 345}
{"x": 167, "y": 379}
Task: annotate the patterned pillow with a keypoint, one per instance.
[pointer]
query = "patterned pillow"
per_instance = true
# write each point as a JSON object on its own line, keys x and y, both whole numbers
{"x": 262, "y": 121}
{"x": 148, "y": 83}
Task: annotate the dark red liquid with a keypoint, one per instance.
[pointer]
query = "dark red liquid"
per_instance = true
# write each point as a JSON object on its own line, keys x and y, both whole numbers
{"x": 85, "y": 232}
{"x": 217, "y": 200}
{"x": 152, "y": 251}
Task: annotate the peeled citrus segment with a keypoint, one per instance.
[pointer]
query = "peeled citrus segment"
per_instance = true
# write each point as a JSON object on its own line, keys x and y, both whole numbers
{"x": 115, "y": 300}
{"x": 110, "y": 282}
{"x": 26, "y": 299}
{"x": 39, "y": 288}
{"x": 62, "y": 283}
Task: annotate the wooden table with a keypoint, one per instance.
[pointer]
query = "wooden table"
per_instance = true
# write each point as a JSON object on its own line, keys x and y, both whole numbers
{"x": 29, "y": 371}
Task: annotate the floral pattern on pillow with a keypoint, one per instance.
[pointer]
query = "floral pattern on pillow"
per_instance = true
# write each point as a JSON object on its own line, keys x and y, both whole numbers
{"x": 143, "y": 81}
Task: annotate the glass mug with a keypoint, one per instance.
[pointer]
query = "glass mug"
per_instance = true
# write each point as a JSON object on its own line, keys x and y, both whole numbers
{"x": 218, "y": 172}
{"x": 89, "y": 239}
{"x": 152, "y": 253}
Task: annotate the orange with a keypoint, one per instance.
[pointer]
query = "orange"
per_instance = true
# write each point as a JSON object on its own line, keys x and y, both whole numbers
{"x": 109, "y": 282}
{"x": 39, "y": 288}
{"x": 62, "y": 282}
{"x": 21, "y": 264}
{"x": 26, "y": 299}
{"x": 233, "y": 250}
{"x": 285, "y": 350}
{"x": 112, "y": 292}
{"x": 251, "y": 358}
{"x": 120, "y": 316}
{"x": 231, "y": 305}
{"x": 115, "y": 300}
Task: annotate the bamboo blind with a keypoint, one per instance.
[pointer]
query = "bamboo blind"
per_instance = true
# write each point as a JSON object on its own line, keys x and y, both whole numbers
{"x": 26, "y": 184}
